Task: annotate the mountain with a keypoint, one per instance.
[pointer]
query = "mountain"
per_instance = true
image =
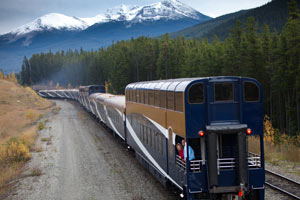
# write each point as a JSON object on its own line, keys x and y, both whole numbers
{"x": 60, "y": 32}
{"x": 51, "y": 21}
{"x": 274, "y": 14}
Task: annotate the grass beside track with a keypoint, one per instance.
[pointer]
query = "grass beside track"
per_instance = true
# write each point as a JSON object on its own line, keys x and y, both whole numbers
{"x": 286, "y": 155}
{"x": 21, "y": 110}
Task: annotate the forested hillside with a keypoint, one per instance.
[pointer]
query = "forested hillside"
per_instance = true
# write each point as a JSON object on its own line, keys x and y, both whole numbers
{"x": 273, "y": 59}
{"x": 274, "y": 13}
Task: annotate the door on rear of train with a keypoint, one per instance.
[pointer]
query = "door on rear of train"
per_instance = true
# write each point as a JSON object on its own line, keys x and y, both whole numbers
{"x": 218, "y": 118}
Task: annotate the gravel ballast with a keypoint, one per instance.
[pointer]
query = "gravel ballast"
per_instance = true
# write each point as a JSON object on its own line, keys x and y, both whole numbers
{"x": 80, "y": 159}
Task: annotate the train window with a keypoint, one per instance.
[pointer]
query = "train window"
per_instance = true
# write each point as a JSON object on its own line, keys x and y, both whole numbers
{"x": 134, "y": 95}
{"x": 147, "y": 131}
{"x": 146, "y": 97}
{"x": 179, "y": 101}
{"x": 162, "y": 143}
{"x": 138, "y": 133}
{"x": 153, "y": 139}
{"x": 170, "y": 101}
{"x": 126, "y": 95}
{"x": 145, "y": 135}
{"x": 163, "y": 99}
{"x": 156, "y": 97}
{"x": 158, "y": 143}
{"x": 130, "y": 95}
{"x": 196, "y": 93}
{"x": 149, "y": 139}
{"x": 151, "y": 97}
{"x": 142, "y": 131}
{"x": 138, "y": 96}
{"x": 142, "y": 96}
{"x": 144, "y": 138}
{"x": 223, "y": 92}
{"x": 251, "y": 91}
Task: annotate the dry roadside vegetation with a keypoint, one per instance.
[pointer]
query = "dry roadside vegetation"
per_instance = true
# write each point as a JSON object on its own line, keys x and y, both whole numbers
{"x": 280, "y": 149}
{"x": 20, "y": 112}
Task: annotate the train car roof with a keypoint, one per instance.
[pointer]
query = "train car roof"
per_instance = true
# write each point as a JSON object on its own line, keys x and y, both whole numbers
{"x": 178, "y": 85}
{"x": 60, "y": 90}
{"x": 101, "y": 96}
{"x": 117, "y": 102}
{"x": 87, "y": 86}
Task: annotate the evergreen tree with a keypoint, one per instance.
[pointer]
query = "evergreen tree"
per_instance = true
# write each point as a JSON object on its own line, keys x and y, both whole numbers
{"x": 291, "y": 36}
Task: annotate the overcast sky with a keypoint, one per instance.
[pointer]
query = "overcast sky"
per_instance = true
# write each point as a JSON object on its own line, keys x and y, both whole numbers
{"x": 14, "y": 13}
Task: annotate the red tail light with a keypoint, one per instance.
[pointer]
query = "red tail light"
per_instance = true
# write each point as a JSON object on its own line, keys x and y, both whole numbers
{"x": 249, "y": 131}
{"x": 240, "y": 193}
{"x": 201, "y": 133}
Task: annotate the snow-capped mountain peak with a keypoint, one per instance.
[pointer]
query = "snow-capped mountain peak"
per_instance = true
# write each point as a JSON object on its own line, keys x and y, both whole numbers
{"x": 166, "y": 9}
{"x": 50, "y": 21}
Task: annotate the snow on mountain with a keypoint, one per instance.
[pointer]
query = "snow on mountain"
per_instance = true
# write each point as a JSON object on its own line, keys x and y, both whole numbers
{"x": 50, "y": 21}
{"x": 167, "y": 9}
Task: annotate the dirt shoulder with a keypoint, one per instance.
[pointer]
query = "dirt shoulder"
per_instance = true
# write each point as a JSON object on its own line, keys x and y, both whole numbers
{"x": 20, "y": 109}
{"x": 79, "y": 159}
{"x": 21, "y": 113}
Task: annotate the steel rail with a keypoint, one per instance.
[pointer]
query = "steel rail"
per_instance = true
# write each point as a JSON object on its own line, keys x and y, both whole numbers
{"x": 274, "y": 187}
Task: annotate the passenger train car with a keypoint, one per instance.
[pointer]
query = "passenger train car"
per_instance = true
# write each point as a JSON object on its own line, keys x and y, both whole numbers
{"x": 213, "y": 116}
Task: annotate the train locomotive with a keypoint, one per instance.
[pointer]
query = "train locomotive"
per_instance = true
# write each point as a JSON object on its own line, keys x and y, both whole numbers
{"x": 213, "y": 116}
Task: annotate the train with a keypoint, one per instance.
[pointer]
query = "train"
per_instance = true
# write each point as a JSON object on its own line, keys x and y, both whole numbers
{"x": 213, "y": 119}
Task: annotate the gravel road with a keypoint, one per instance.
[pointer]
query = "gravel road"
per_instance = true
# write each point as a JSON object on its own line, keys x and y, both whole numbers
{"x": 79, "y": 159}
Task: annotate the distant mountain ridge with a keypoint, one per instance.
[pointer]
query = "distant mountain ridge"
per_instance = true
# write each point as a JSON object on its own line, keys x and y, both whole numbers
{"x": 60, "y": 32}
{"x": 274, "y": 14}
{"x": 167, "y": 9}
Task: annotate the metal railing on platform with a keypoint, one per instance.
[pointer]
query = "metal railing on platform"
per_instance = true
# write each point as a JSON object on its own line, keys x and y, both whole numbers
{"x": 195, "y": 165}
{"x": 226, "y": 163}
{"x": 180, "y": 162}
{"x": 254, "y": 161}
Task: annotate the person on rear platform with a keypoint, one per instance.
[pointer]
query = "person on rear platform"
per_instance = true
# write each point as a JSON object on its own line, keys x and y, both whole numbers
{"x": 180, "y": 151}
{"x": 191, "y": 151}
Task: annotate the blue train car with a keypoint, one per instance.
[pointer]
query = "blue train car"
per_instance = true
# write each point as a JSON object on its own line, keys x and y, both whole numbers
{"x": 214, "y": 117}
{"x": 86, "y": 91}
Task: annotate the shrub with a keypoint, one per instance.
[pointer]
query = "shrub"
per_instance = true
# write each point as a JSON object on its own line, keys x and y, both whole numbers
{"x": 15, "y": 150}
{"x": 41, "y": 126}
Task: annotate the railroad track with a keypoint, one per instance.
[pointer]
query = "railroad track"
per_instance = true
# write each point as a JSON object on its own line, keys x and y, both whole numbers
{"x": 284, "y": 185}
